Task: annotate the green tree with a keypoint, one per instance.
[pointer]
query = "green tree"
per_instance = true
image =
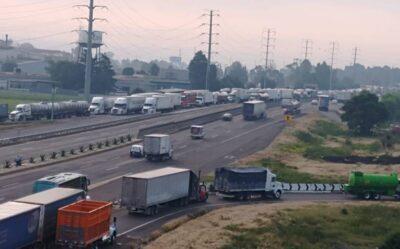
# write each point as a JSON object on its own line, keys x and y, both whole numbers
{"x": 393, "y": 242}
{"x": 322, "y": 75}
{"x": 214, "y": 83}
{"x": 363, "y": 112}
{"x": 154, "y": 69}
{"x": 198, "y": 70}
{"x": 103, "y": 76}
{"x": 237, "y": 72}
{"x": 128, "y": 71}
{"x": 392, "y": 104}
{"x": 70, "y": 75}
{"x": 8, "y": 66}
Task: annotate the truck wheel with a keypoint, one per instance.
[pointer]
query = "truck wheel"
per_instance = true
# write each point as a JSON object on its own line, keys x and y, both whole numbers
{"x": 277, "y": 195}
{"x": 154, "y": 210}
{"x": 367, "y": 196}
{"x": 377, "y": 197}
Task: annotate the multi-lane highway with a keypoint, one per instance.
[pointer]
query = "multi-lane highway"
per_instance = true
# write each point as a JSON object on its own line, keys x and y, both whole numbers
{"x": 224, "y": 143}
{"x": 67, "y": 142}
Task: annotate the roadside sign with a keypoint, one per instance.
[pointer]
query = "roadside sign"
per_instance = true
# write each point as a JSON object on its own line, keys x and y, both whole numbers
{"x": 288, "y": 118}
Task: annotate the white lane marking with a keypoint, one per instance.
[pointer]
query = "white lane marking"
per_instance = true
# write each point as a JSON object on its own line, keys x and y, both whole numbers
{"x": 168, "y": 215}
{"x": 10, "y": 185}
{"x": 116, "y": 167}
{"x": 249, "y": 131}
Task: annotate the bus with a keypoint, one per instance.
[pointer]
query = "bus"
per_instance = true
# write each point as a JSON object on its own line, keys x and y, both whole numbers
{"x": 66, "y": 180}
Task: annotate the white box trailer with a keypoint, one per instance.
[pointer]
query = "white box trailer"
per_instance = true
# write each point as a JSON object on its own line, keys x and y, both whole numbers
{"x": 144, "y": 192}
{"x": 176, "y": 99}
{"x": 157, "y": 147}
{"x": 161, "y": 103}
{"x": 254, "y": 110}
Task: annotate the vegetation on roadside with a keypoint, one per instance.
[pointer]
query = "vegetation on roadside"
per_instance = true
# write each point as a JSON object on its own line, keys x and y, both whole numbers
{"x": 290, "y": 174}
{"x": 13, "y": 98}
{"x": 320, "y": 227}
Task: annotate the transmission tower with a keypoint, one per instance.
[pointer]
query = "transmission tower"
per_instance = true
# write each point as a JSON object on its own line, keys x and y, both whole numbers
{"x": 333, "y": 50}
{"x": 307, "y": 49}
{"x": 210, "y": 24}
{"x": 269, "y": 39}
{"x": 355, "y": 56}
{"x": 89, "y": 60}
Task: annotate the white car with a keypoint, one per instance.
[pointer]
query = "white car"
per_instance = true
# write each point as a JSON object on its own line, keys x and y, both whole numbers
{"x": 314, "y": 102}
{"x": 136, "y": 150}
{"x": 334, "y": 101}
{"x": 227, "y": 117}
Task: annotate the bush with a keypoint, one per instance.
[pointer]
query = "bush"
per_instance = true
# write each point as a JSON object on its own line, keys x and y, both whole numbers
{"x": 99, "y": 145}
{"x": 90, "y": 146}
{"x": 324, "y": 128}
{"x": 72, "y": 152}
{"x": 31, "y": 160}
{"x": 53, "y": 155}
{"x": 42, "y": 157}
{"x": 107, "y": 143}
{"x": 115, "y": 141}
{"x": 81, "y": 149}
{"x": 319, "y": 151}
{"x": 7, "y": 164}
{"x": 307, "y": 137}
{"x": 129, "y": 137}
{"x": 63, "y": 153}
{"x": 122, "y": 139}
{"x": 393, "y": 242}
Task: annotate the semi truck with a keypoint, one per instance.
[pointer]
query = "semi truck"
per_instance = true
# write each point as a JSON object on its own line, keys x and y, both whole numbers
{"x": 3, "y": 112}
{"x": 238, "y": 95}
{"x": 176, "y": 99}
{"x": 291, "y": 106}
{"x": 204, "y": 97}
{"x": 85, "y": 224}
{"x": 41, "y": 110}
{"x": 254, "y": 109}
{"x": 128, "y": 105}
{"x": 188, "y": 99}
{"x": 145, "y": 192}
{"x": 157, "y": 147}
{"x": 50, "y": 201}
{"x": 323, "y": 103}
{"x": 101, "y": 105}
{"x": 30, "y": 222}
{"x": 158, "y": 103}
{"x": 372, "y": 186}
{"x": 244, "y": 183}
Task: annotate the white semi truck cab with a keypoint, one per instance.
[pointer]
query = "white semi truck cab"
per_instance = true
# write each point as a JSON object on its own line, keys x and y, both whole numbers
{"x": 120, "y": 107}
{"x": 21, "y": 112}
{"x": 150, "y": 106}
{"x": 97, "y": 106}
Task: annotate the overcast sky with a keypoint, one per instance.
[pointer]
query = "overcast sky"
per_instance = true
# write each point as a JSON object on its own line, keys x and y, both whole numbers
{"x": 158, "y": 29}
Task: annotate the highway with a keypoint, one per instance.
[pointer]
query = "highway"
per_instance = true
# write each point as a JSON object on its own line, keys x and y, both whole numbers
{"x": 46, "y": 146}
{"x": 224, "y": 143}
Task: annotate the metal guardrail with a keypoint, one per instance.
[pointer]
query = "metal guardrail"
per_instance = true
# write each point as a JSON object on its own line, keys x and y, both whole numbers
{"x": 63, "y": 132}
{"x": 312, "y": 187}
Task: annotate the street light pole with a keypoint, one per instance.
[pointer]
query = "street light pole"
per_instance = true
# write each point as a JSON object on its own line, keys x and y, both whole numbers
{"x": 53, "y": 92}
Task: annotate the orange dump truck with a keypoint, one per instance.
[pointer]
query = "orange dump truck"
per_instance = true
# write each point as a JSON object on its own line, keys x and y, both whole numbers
{"x": 85, "y": 223}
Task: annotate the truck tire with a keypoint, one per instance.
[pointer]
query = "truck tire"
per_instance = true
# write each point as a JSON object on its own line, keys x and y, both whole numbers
{"x": 154, "y": 210}
{"x": 376, "y": 197}
{"x": 277, "y": 194}
{"x": 367, "y": 196}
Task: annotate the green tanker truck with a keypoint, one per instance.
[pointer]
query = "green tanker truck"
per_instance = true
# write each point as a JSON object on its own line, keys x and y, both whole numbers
{"x": 372, "y": 186}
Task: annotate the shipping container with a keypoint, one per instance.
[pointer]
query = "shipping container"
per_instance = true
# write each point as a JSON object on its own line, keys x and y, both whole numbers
{"x": 143, "y": 192}
{"x": 3, "y": 112}
{"x": 83, "y": 223}
{"x": 19, "y": 224}
{"x": 51, "y": 200}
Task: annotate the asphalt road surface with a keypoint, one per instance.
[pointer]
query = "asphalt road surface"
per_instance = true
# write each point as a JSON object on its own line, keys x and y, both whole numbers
{"x": 46, "y": 146}
{"x": 224, "y": 143}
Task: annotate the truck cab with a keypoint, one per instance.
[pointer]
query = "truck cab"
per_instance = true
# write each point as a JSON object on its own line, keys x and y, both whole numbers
{"x": 197, "y": 131}
{"x": 120, "y": 107}
{"x": 200, "y": 101}
{"x": 97, "y": 106}
{"x": 21, "y": 112}
{"x": 150, "y": 106}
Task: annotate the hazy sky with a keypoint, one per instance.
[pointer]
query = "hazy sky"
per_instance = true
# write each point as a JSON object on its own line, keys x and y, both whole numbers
{"x": 157, "y": 29}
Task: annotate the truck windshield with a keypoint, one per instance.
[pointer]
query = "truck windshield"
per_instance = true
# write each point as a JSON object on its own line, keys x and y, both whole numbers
{"x": 148, "y": 104}
{"x": 95, "y": 104}
{"x": 199, "y": 98}
{"x": 20, "y": 109}
{"x": 121, "y": 106}
{"x": 195, "y": 130}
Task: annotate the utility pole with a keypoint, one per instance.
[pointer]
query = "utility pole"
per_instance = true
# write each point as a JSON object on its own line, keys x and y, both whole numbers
{"x": 308, "y": 48}
{"x": 210, "y": 42}
{"x": 268, "y": 45}
{"x": 355, "y": 56}
{"x": 332, "y": 59}
{"x": 89, "y": 60}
